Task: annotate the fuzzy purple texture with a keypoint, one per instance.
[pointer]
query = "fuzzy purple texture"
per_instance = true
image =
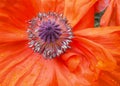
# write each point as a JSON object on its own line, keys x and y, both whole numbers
{"x": 49, "y": 31}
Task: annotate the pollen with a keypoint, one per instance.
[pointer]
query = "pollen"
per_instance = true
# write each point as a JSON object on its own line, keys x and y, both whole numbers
{"x": 49, "y": 34}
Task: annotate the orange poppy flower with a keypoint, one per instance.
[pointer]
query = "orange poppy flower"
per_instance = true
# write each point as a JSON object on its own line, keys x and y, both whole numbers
{"x": 93, "y": 58}
{"x": 111, "y": 16}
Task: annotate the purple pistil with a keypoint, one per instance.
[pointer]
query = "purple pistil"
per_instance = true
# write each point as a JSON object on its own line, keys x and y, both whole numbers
{"x": 49, "y": 31}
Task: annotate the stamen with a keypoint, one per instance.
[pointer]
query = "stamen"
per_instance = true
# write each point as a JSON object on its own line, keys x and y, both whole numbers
{"x": 49, "y": 34}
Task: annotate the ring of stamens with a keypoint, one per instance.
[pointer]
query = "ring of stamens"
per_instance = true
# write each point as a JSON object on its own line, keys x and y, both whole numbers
{"x": 49, "y": 34}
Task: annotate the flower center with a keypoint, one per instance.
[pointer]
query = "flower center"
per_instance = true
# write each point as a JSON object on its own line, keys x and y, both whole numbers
{"x": 49, "y": 31}
{"x": 49, "y": 34}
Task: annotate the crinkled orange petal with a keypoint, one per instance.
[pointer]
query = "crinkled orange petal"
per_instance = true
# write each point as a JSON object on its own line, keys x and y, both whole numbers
{"x": 87, "y": 21}
{"x": 9, "y": 57}
{"x": 18, "y": 68}
{"x": 111, "y": 78}
{"x": 9, "y": 49}
{"x": 111, "y": 16}
{"x": 73, "y": 62}
{"x": 19, "y": 11}
{"x": 86, "y": 59}
{"x": 101, "y": 5}
{"x": 11, "y": 34}
{"x": 13, "y": 15}
{"x": 50, "y": 5}
{"x": 104, "y": 44}
{"x": 104, "y": 59}
{"x": 76, "y": 9}
{"x": 108, "y": 37}
{"x": 71, "y": 59}
{"x": 47, "y": 74}
{"x": 67, "y": 78}
{"x": 80, "y": 62}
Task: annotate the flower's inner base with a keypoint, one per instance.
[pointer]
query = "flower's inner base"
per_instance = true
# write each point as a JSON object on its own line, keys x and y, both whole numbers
{"x": 49, "y": 34}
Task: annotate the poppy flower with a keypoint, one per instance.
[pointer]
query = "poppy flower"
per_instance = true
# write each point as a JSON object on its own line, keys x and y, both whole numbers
{"x": 93, "y": 58}
{"x": 111, "y": 16}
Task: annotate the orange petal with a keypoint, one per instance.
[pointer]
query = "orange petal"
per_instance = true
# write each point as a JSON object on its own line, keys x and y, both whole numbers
{"x": 67, "y": 78}
{"x": 19, "y": 69}
{"x": 103, "y": 43}
{"x": 108, "y": 79}
{"x": 98, "y": 49}
{"x": 18, "y": 11}
{"x": 73, "y": 62}
{"x": 71, "y": 58}
{"x": 93, "y": 58}
{"x": 101, "y": 5}
{"x": 111, "y": 16}
{"x": 11, "y": 55}
{"x": 108, "y": 37}
{"x": 13, "y": 16}
{"x": 11, "y": 34}
{"x": 75, "y": 7}
{"x": 50, "y": 5}
{"x": 95, "y": 55}
{"x": 46, "y": 75}
{"x": 47, "y": 5}
{"x": 9, "y": 49}
{"x": 87, "y": 21}
{"x": 79, "y": 60}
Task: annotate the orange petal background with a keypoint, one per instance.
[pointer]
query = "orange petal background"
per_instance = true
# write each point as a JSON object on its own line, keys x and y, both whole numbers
{"x": 111, "y": 16}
